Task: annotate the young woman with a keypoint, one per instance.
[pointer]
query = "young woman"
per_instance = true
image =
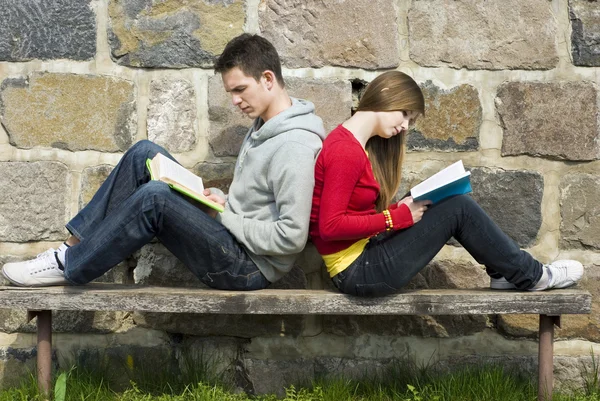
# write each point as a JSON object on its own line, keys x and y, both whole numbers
{"x": 372, "y": 247}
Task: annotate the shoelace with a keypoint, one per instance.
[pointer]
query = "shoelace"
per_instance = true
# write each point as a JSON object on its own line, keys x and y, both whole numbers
{"x": 43, "y": 254}
{"x": 45, "y": 259}
{"x": 557, "y": 275}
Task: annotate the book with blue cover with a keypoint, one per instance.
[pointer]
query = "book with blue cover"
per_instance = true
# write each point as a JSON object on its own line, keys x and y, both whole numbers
{"x": 453, "y": 180}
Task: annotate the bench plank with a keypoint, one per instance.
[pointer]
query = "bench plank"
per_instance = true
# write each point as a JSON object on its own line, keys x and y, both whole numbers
{"x": 117, "y": 297}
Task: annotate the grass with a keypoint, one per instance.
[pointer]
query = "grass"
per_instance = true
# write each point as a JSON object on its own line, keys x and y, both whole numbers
{"x": 402, "y": 382}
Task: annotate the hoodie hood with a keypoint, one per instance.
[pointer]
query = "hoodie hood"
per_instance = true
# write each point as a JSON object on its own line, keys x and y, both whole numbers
{"x": 288, "y": 120}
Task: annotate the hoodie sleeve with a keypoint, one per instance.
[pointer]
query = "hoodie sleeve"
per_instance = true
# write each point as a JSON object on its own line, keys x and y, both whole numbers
{"x": 291, "y": 177}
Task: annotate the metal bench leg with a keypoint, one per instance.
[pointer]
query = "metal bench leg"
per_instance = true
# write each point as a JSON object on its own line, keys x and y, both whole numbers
{"x": 44, "y": 350}
{"x": 546, "y": 356}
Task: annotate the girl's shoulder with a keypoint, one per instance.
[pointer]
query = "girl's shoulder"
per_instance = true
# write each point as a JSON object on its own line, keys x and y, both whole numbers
{"x": 341, "y": 146}
{"x": 341, "y": 137}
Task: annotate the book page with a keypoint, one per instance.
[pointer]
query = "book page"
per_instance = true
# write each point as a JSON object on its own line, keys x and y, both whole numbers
{"x": 449, "y": 174}
{"x": 171, "y": 172}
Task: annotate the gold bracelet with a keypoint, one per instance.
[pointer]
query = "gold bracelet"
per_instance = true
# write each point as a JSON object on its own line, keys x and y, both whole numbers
{"x": 389, "y": 224}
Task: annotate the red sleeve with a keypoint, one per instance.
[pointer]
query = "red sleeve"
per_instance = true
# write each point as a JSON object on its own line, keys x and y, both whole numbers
{"x": 401, "y": 216}
{"x": 344, "y": 165}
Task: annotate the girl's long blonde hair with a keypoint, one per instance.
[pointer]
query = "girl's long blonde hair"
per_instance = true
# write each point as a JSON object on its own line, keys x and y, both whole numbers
{"x": 390, "y": 91}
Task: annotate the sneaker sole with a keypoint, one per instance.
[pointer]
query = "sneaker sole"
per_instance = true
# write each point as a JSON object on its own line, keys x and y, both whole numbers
{"x": 19, "y": 285}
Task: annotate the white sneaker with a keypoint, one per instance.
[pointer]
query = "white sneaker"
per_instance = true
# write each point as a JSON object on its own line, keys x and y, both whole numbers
{"x": 501, "y": 284}
{"x": 564, "y": 273}
{"x": 39, "y": 272}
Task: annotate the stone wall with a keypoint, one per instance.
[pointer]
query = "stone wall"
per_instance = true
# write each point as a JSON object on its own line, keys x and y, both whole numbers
{"x": 511, "y": 89}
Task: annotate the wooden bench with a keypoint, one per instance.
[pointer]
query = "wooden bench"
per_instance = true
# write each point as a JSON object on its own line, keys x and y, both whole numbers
{"x": 41, "y": 302}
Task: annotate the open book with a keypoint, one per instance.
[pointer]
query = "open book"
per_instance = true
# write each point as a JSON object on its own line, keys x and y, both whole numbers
{"x": 164, "y": 169}
{"x": 453, "y": 180}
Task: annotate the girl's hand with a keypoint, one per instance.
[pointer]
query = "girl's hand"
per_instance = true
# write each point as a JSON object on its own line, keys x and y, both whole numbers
{"x": 417, "y": 208}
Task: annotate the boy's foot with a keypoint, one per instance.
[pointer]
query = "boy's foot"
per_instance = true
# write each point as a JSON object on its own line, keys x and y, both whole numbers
{"x": 39, "y": 272}
{"x": 563, "y": 273}
{"x": 501, "y": 284}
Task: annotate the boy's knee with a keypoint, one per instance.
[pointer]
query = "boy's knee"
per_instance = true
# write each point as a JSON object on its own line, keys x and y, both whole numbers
{"x": 155, "y": 188}
{"x": 144, "y": 145}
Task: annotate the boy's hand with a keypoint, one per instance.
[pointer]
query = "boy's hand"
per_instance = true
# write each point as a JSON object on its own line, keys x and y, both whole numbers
{"x": 417, "y": 208}
{"x": 215, "y": 198}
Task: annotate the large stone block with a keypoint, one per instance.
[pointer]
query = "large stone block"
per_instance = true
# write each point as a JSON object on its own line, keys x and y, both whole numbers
{"x": 273, "y": 376}
{"x": 519, "y": 214}
{"x": 580, "y": 211}
{"x": 452, "y": 122}
{"x": 91, "y": 180}
{"x": 119, "y": 365}
{"x": 358, "y": 33}
{"x": 557, "y": 120}
{"x": 172, "y": 115}
{"x": 585, "y": 32}
{"x": 47, "y": 30}
{"x": 69, "y": 111}
{"x": 228, "y": 126}
{"x": 438, "y": 274}
{"x": 33, "y": 201}
{"x": 15, "y": 365}
{"x": 172, "y": 33}
{"x": 478, "y": 34}
{"x": 332, "y": 99}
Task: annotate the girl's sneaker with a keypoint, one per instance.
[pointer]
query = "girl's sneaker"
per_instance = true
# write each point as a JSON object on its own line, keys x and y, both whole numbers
{"x": 564, "y": 273}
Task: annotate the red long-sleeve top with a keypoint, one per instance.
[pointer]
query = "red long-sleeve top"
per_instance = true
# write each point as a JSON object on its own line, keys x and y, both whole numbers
{"x": 343, "y": 206}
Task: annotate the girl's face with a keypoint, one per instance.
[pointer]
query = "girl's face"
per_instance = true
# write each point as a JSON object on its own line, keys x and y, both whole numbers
{"x": 392, "y": 123}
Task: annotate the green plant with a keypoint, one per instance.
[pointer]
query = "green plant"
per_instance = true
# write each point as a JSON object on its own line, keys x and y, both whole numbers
{"x": 591, "y": 376}
{"x": 416, "y": 396}
{"x": 291, "y": 394}
{"x": 60, "y": 388}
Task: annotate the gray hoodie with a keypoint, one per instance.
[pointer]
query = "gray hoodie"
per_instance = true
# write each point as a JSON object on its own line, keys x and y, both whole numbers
{"x": 269, "y": 201}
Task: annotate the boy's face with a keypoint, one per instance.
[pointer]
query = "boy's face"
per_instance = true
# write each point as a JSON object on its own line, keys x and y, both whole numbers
{"x": 252, "y": 97}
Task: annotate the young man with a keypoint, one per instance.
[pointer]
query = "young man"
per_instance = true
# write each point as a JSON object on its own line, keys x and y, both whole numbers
{"x": 254, "y": 242}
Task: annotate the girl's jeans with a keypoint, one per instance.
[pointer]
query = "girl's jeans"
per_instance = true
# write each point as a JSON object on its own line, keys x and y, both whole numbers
{"x": 391, "y": 260}
{"x": 129, "y": 210}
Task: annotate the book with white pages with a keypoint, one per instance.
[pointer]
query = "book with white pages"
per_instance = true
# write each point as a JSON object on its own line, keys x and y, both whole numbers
{"x": 180, "y": 179}
{"x": 453, "y": 180}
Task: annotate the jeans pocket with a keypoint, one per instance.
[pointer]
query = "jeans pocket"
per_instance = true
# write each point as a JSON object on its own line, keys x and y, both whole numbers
{"x": 225, "y": 280}
{"x": 374, "y": 290}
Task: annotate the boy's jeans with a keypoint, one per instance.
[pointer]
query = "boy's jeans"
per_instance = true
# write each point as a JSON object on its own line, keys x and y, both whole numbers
{"x": 129, "y": 210}
{"x": 390, "y": 261}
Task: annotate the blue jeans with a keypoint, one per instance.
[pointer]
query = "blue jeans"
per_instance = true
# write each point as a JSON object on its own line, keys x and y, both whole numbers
{"x": 391, "y": 260}
{"x": 129, "y": 210}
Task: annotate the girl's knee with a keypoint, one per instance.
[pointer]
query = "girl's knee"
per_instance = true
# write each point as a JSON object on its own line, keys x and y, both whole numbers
{"x": 465, "y": 200}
